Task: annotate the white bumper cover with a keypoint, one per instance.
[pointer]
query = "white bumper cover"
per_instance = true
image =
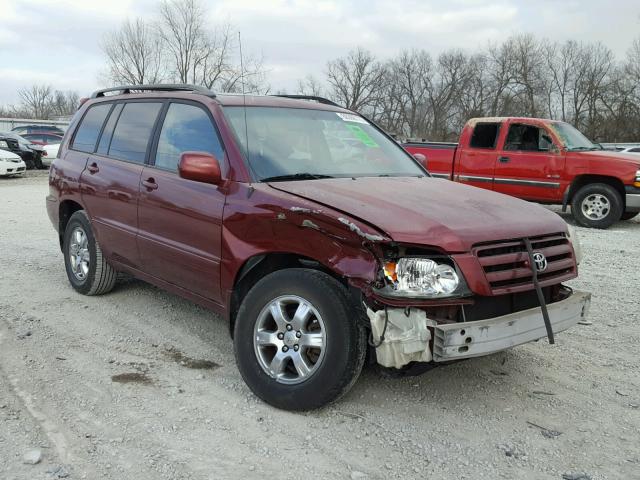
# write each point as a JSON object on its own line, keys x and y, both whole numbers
{"x": 473, "y": 339}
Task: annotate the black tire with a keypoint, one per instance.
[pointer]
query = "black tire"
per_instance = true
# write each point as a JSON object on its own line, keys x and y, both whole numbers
{"x": 613, "y": 206}
{"x": 29, "y": 163}
{"x": 100, "y": 277}
{"x": 38, "y": 162}
{"x": 344, "y": 351}
{"x": 629, "y": 215}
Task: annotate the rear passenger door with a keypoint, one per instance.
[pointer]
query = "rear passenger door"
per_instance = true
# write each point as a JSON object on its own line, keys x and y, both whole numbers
{"x": 180, "y": 221}
{"x": 110, "y": 183}
{"x": 476, "y": 161}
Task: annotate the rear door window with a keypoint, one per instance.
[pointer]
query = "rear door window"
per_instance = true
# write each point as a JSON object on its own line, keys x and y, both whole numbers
{"x": 186, "y": 128}
{"x": 90, "y": 126}
{"x": 485, "y": 135}
{"x": 133, "y": 131}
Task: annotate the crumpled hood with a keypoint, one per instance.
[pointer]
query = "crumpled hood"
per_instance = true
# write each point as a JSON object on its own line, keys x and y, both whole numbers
{"x": 429, "y": 211}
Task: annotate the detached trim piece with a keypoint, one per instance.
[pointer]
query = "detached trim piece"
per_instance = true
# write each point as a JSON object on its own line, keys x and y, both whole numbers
{"x": 473, "y": 339}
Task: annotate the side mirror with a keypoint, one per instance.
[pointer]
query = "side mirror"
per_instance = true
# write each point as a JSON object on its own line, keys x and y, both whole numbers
{"x": 421, "y": 158}
{"x": 200, "y": 167}
{"x": 554, "y": 148}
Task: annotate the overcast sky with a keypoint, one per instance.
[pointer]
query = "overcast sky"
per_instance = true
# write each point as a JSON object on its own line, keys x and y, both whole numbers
{"x": 57, "y": 42}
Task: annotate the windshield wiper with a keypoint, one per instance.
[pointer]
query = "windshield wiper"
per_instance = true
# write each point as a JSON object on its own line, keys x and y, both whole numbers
{"x": 295, "y": 176}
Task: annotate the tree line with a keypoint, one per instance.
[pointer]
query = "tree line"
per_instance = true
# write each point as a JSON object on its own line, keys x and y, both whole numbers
{"x": 418, "y": 95}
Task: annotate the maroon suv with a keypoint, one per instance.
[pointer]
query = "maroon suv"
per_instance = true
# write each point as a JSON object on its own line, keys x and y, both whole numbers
{"x": 310, "y": 230}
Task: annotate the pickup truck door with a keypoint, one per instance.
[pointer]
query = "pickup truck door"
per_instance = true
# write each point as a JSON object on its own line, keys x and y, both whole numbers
{"x": 527, "y": 166}
{"x": 180, "y": 221}
{"x": 476, "y": 155}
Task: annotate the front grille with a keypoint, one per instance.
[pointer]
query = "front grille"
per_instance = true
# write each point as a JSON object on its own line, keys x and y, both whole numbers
{"x": 507, "y": 268}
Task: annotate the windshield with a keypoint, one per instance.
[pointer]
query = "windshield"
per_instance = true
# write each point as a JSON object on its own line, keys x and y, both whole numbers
{"x": 572, "y": 138}
{"x": 294, "y": 143}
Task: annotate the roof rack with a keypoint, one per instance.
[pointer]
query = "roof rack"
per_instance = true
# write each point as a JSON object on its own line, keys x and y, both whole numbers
{"x": 315, "y": 98}
{"x": 161, "y": 87}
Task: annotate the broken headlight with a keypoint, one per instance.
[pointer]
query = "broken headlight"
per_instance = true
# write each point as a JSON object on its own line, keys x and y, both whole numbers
{"x": 422, "y": 277}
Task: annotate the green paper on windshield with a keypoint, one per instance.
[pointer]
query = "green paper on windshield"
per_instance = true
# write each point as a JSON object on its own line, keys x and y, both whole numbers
{"x": 361, "y": 135}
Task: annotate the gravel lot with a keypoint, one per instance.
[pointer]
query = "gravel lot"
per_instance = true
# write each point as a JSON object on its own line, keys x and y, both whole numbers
{"x": 140, "y": 384}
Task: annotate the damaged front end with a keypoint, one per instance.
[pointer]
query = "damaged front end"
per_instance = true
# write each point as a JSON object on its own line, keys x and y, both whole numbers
{"x": 423, "y": 311}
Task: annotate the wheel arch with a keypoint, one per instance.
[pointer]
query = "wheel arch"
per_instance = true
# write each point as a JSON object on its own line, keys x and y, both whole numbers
{"x": 65, "y": 210}
{"x": 260, "y": 265}
{"x": 587, "y": 179}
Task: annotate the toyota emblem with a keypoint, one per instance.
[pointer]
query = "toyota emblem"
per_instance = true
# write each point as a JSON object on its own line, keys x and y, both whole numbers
{"x": 540, "y": 261}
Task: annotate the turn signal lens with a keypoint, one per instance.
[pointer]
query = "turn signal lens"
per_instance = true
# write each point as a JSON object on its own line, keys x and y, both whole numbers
{"x": 390, "y": 271}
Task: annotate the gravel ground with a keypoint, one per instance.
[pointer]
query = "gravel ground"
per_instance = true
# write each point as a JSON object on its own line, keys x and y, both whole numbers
{"x": 140, "y": 384}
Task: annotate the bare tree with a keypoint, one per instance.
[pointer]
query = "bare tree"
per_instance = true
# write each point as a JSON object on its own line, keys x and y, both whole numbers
{"x": 184, "y": 34}
{"x": 36, "y": 100}
{"x": 64, "y": 103}
{"x": 356, "y": 80}
{"x": 134, "y": 54}
{"x": 310, "y": 85}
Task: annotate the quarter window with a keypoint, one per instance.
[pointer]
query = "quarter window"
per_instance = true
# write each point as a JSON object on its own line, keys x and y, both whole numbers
{"x": 186, "y": 128}
{"x": 133, "y": 131}
{"x": 89, "y": 129}
{"x": 485, "y": 135}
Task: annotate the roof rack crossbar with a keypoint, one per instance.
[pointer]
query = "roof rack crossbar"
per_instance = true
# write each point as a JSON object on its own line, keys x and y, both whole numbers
{"x": 161, "y": 87}
{"x": 315, "y": 98}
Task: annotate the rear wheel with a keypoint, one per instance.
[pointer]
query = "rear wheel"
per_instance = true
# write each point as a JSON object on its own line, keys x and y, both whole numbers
{"x": 297, "y": 343}
{"x": 597, "y": 205}
{"x": 87, "y": 269}
{"x": 629, "y": 215}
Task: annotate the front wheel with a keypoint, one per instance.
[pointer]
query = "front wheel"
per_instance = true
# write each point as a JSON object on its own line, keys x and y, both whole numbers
{"x": 596, "y": 205}
{"x": 297, "y": 342}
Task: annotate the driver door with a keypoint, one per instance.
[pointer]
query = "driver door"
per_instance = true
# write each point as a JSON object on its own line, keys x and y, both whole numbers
{"x": 526, "y": 166}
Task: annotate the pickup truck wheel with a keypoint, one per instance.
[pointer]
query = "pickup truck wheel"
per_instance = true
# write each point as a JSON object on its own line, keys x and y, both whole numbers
{"x": 629, "y": 215}
{"x": 597, "y": 205}
{"x": 297, "y": 344}
{"x": 87, "y": 270}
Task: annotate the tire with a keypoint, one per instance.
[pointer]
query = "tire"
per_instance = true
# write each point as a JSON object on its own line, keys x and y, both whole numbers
{"x": 38, "y": 162}
{"x": 96, "y": 276}
{"x": 629, "y": 215}
{"x": 29, "y": 163}
{"x": 337, "y": 365}
{"x": 596, "y": 205}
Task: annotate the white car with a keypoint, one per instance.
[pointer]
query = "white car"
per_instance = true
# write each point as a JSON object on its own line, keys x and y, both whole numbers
{"x": 630, "y": 150}
{"x": 10, "y": 163}
{"x": 51, "y": 151}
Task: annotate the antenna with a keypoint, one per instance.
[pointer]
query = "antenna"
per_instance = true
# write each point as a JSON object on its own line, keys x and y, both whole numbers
{"x": 244, "y": 102}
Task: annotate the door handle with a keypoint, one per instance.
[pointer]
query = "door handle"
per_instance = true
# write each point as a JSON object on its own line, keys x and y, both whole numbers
{"x": 150, "y": 184}
{"x": 503, "y": 159}
{"x": 93, "y": 168}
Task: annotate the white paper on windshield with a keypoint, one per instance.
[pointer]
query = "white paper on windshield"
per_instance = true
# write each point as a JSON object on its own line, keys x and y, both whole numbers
{"x": 350, "y": 117}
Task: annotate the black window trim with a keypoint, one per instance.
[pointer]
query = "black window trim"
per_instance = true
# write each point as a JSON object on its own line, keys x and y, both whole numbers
{"x": 156, "y": 136}
{"x": 72, "y": 141}
{"x": 495, "y": 140}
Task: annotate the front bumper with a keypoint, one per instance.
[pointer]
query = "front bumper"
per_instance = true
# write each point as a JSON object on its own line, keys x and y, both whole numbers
{"x": 12, "y": 168}
{"x": 473, "y": 339}
{"x": 632, "y": 202}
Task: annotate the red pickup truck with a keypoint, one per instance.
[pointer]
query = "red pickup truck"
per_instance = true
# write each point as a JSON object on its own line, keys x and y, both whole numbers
{"x": 544, "y": 161}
